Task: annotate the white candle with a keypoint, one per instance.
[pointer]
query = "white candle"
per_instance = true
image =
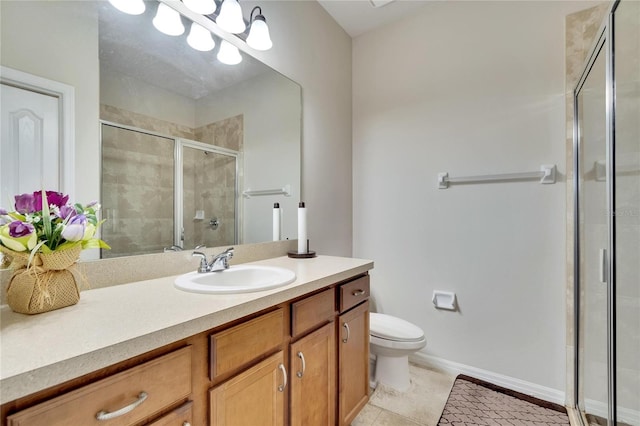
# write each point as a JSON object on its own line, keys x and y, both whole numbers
{"x": 302, "y": 228}
{"x": 276, "y": 222}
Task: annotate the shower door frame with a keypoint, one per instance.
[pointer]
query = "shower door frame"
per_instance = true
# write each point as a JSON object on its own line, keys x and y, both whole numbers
{"x": 605, "y": 37}
{"x": 181, "y": 143}
{"x": 178, "y": 214}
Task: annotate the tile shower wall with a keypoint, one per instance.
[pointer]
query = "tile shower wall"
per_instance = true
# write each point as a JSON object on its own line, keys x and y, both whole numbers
{"x": 137, "y": 192}
{"x": 140, "y": 167}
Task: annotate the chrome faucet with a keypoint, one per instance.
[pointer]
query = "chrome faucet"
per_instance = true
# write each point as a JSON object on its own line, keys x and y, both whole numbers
{"x": 172, "y": 248}
{"x": 219, "y": 262}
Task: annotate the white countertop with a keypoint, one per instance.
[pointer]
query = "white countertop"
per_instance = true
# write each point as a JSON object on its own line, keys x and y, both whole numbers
{"x": 116, "y": 323}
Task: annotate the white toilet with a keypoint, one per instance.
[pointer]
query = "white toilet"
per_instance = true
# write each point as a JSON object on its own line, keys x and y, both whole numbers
{"x": 392, "y": 340}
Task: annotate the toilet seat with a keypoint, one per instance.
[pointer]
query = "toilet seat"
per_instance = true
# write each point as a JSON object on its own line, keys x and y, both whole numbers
{"x": 391, "y": 328}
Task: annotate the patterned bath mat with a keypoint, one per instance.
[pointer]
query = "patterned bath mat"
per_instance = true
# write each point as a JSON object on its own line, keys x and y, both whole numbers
{"x": 476, "y": 402}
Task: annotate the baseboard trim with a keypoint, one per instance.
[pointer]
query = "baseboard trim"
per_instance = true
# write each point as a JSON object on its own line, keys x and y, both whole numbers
{"x": 454, "y": 368}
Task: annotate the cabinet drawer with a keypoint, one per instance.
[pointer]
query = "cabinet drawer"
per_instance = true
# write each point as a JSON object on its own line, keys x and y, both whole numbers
{"x": 312, "y": 311}
{"x": 354, "y": 292}
{"x": 165, "y": 381}
{"x": 181, "y": 416}
{"x": 239, "y": 345}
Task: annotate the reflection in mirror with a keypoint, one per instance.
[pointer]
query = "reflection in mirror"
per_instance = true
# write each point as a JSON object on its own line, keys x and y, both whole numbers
{"x": 137, "y": 92}
{"x": 240, "y": 124}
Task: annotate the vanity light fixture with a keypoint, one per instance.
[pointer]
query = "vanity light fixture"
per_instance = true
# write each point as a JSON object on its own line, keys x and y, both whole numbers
{"x": 203, "y": 7}
{"x": 229, "y": 54}
{"x": 230, "y": 18}
{"x": 168, "y": 21}
{"x": 131, "y": 7}
{"x": 258, "y": 37}
{"x": 200, "y": 38}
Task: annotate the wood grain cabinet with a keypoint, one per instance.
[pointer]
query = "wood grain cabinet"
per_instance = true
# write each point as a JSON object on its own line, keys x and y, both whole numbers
{"x": 304, "y": 362}
{"x": 313, "y": 361}
{"x": 353, "y": 349}
{"x": 126, "y": 398}
{"x": 256, "y": 392}
{"x": 181, "y": 416}
{"x": 254, "y": 397}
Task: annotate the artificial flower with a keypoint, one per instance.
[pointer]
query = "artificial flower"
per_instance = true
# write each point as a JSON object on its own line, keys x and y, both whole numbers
{"x": 65, "y": 212}
{"x": 53, "y": 225}
{"x": 57, "y": 199}
{"x": 74, "y": 230}
{"x": 18, "y": 236}
{"x": 25, "y": 203}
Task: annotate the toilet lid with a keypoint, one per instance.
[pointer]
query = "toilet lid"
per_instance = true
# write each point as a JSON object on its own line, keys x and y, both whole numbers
{"x": 392, "y": 328}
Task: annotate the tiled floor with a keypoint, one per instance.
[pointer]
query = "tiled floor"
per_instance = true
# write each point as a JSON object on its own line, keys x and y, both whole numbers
{"x": 421, "y": 405}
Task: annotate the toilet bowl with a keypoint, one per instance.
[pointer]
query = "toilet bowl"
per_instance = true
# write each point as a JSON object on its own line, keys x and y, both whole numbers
{"x": 392, "y": 340}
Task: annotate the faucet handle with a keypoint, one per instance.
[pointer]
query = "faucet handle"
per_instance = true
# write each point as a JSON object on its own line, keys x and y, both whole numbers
{"x": 203, "y": 261}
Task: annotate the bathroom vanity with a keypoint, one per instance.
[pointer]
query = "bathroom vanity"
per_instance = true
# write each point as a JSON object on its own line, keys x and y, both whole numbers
{"x": 147, "y": 353}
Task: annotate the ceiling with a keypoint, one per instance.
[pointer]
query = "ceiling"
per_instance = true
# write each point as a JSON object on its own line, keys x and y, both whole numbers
{"x": 360, "y": 16}
{"x": 131, "y": 46}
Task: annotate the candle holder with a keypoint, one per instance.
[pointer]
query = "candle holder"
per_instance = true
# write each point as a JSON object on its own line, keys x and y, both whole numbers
{"x": 297, "y": 255}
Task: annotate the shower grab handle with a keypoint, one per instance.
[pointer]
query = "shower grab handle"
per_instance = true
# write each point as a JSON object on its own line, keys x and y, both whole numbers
{"x": 603, "y": 266}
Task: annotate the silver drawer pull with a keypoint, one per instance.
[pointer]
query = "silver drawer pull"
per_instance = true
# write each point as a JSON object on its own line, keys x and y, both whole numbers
{"x": 186, "y": 424}
{"x": 304, "y": 367}
{"x": 358, "y": 292}
{"x": 284, "y": 377}
{"x": 105, "y": 415}
{"x": 345, "y": 325}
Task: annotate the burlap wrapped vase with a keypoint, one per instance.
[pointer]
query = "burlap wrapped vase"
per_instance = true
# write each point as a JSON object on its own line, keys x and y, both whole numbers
{"x": 47, "y": 283}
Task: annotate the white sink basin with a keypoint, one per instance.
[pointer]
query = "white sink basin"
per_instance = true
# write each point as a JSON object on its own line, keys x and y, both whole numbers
{"x": 236, "y": 279}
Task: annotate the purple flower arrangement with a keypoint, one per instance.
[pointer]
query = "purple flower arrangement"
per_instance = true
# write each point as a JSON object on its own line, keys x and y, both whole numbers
{"x": 45, "y": 221}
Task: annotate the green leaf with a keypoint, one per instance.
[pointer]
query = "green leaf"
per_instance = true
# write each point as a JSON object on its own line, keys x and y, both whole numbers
{"x": 67, "y": 245}
{"x": 46, "y": 216}
{"x": 95, "y": 243}
{"x": 17, "y": 216}
{"x": 42, "y": 247}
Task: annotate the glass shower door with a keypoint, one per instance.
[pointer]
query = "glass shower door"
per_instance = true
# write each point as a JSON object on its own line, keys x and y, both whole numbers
{"x": 137, "y": 191}
{"x": 593, "y": 240}
{"x": 209, "y": 196}
{"x": 627, "y": 210}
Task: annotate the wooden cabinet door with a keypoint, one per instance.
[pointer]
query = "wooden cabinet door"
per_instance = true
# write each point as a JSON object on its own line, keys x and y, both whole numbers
{"x": 313, "y": 378}
{"x": 181, "y": 416}
{"x": 353, "y": 364}
{"x": 253, "y": 397}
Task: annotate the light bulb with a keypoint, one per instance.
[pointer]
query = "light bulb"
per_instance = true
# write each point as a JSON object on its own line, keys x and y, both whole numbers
{"x": 230, "y": 18}
{"x": 200, "y": 38}
{"x": 168, "y": 21}
{"x": 229, "y": 54}
{"x": 259, "y": 34}
{"x": 132, "y": 7}
{"x": 203, "y": 7}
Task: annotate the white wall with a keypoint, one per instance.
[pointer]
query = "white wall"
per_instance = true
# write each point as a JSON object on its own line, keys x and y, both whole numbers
{"x": 67, "y": 53}
{"x": 132, "y": 94}
{"x": 310, "y": 48}
{"x": 467, "y": 88}
{"x": 270, "y": 106}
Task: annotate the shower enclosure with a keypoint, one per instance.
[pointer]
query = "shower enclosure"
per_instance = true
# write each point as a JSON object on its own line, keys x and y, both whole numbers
{"x": 607, "y": 223}
{"x": 163, "y": 193}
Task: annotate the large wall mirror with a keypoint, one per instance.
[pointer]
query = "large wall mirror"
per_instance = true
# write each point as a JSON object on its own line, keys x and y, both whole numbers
{"x": 185, "y": 144}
